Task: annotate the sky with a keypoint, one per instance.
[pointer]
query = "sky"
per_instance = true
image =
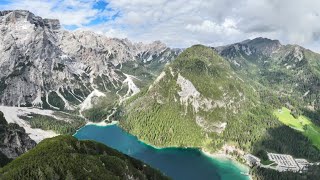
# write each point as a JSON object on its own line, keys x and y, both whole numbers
{"x": 182, "y": 23}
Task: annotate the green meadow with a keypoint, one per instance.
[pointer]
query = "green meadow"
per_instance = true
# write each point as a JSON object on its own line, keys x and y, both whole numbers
{"x": 302, "y": 124}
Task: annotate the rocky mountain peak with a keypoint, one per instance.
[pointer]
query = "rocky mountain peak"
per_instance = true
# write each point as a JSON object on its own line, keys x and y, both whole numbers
{"x": 251, "y": 47}
{"x": 22, "y": 16}
{"x": 265, "y": 40}
{"x": 264, "y": 45}
{"x": 18, "y": 14}
{"x": 44, "y": 66}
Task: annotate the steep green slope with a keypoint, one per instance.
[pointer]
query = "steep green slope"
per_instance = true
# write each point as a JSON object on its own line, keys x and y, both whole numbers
{"x": 290, "y": 71}
{"x": 197, "y": 101}
{"x": 64, "y": 157}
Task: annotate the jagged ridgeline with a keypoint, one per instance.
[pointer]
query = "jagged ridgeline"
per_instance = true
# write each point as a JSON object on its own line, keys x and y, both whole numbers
{"x": 79, "y": 72}
{"x": 64, "y": 157}
{"x": 45, "y": 66}
{"x": 197, "y": 101}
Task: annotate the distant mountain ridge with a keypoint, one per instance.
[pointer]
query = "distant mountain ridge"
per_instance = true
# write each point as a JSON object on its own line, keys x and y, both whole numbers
{"x": 260, "y": 45}
{"x": 288, "y": 69}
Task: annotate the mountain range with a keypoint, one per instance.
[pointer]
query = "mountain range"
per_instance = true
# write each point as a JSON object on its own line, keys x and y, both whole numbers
{"x": 52, "y": 68}
{"x": 46, "y": 67}
{"x": 205, "y": 100}
{"x": 53, "y": 81}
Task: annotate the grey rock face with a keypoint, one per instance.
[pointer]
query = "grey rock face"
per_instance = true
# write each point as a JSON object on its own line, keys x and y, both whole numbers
{"x": 18, "y": 16}
{"x": 256, "y": 47}
{"x": 13, "y": 139}
{"x": 44, "y": 66}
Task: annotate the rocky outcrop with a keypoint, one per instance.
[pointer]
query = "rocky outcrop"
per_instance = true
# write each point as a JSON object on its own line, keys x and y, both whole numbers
{"x": 45, "y": 66}
{"x": 13, "y": 140}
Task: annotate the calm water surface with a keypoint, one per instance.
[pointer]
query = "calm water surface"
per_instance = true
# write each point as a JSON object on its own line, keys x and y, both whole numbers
{"x": 177, "y": 163}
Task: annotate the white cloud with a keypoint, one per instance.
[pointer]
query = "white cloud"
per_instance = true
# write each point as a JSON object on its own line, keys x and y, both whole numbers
{"x": 181, "y": 23}
{"x": 228, "y": 27}
{"x": 115, "y": 33}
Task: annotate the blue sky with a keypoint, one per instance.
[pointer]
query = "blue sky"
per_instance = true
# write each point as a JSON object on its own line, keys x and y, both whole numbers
{"x": 182, "y": 23}
{"x": 4, "y": 2}
{"x": 102, "y": 6}
{"x": 99, "y": 11}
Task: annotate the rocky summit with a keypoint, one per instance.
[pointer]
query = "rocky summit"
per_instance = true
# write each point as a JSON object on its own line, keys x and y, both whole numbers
{"x": 43, "y": 65}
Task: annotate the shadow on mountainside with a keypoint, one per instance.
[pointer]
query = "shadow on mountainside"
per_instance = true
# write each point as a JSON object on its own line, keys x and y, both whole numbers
{"x": 285, "y": 140}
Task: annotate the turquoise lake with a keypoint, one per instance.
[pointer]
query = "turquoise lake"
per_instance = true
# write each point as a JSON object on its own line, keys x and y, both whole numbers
{"x": 177, "y": 163}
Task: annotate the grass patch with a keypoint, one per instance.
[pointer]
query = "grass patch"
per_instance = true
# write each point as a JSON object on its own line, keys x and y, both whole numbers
{"x": 302, "y": 124}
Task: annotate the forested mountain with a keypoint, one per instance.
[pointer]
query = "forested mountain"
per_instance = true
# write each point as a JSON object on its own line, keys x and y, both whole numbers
{"x": 291, "y": 71}
{"x": 201, "y": 100}
{"x": 64, "y": 157}
{"x": 195, "y": 97}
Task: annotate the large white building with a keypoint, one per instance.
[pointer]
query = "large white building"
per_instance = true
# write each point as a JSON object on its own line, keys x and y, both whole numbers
{"x": 303, "y": 164}
{"x": 285, "y": 162}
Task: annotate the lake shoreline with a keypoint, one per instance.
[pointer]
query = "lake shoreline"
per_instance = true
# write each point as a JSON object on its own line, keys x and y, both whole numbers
{"x": 102, "y": 123}
{"x": 226, "y": 157}
{"x": 98, "y": 124}
{"x": 215, "y": 156}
